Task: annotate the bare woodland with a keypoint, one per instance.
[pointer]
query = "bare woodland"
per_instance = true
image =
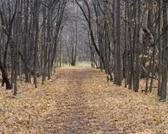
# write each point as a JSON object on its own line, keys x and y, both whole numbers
{"x": 125, "y": 39}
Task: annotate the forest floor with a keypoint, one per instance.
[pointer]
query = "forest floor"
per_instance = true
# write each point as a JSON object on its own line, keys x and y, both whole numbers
{"x": 81, "y": 101}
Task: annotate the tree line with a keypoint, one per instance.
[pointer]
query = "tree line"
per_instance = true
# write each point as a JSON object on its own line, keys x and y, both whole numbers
{"x": 29, "y": 36}
{"x": 129, "y": 37}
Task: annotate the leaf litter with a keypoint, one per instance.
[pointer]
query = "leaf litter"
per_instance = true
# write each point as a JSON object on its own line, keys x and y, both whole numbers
{"x": 80, "y": 101}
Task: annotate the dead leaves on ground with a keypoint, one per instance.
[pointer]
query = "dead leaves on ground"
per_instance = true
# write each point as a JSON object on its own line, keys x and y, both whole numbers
{"x": 80, "y": 101}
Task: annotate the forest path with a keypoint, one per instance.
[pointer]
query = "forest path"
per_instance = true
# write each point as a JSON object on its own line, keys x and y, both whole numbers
{"x": 90, "y": 105}
{"x": 81, "y": 101}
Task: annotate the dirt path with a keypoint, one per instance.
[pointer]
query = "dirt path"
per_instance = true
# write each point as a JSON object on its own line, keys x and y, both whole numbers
{"x": 72, "y": 112}
{"x": 80, "y": 101}
{"x": 90, "y": 106}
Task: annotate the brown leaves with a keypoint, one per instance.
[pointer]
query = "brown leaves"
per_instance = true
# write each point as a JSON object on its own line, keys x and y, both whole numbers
{"x": 80, "y": 101}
